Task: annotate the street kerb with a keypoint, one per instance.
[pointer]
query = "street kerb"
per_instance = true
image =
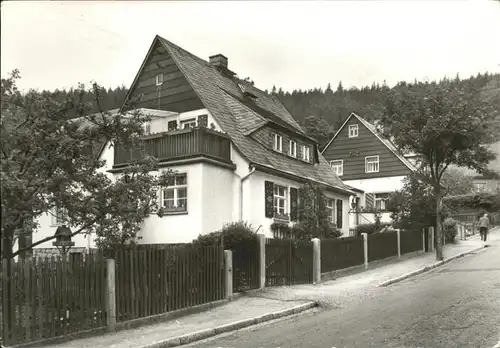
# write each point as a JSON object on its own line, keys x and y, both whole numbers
{"x": 207, "y": 333}
{"x": 428, "y": 268}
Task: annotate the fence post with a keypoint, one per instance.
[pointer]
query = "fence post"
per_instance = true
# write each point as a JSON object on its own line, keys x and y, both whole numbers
{"x": 365, "y": 248}
{"x": 262, "y": 260}
{"x": 228, "y": 273}
{"x": 399, "y": 243}
{"x": 110, "y": 295}
{"x": 316, "y": 260}
{"x": 423, "y": 239}
{"x": 431, "y": 238}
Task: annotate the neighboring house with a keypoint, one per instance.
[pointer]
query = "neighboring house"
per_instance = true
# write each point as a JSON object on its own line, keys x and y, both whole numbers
{"x": 238, "y": 152}
{"x": 364, "y": 159}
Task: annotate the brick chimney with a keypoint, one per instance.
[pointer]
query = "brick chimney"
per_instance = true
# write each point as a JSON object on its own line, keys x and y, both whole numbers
{"x": 218, "y": 61}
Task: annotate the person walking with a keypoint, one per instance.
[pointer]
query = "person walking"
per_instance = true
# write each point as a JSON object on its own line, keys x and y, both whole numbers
{"x": 484, "y": 223}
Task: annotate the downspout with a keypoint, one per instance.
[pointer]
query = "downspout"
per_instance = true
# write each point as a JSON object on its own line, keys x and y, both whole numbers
{"x": 241, "y": 190}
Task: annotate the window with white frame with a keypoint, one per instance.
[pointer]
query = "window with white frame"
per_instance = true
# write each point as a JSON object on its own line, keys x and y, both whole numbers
{"x": 277, "y": 142}
{"x": 188, "y": 123}
{"x": 292, "y": 148}
{"x": 330, "y": 209}
{"x": 57, "y": 216}
{"x": 372, "y": 164}
{"x": 306, "y": 153}
{"x": 159, "y": 79}
{"x": 280, "y": 199}
{"x": 174, "y": 196}
{"x": 337, "y": 166}
{"x": 353, "y": 130}
{"x": 381, "y": 201}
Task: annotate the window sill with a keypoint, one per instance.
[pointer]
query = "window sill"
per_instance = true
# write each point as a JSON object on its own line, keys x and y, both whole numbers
{"x": 281, "y": 218}
{"x": 173, "y": 211}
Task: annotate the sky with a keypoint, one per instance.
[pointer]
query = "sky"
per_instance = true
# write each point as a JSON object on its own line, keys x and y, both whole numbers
{"x": 293, "y": 45}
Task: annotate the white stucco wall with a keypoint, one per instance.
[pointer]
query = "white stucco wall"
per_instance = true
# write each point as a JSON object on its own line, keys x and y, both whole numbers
{"x": 182, "y": 227}
{"x": 377, "y": 185}
{"x": 254, "y": 203}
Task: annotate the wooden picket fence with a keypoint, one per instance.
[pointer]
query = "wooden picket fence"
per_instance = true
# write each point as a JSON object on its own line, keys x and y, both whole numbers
{"x": 288, "y": 262}
{"x": 382, "y": 246}
{"x": 154, "y": 280}
{"x": 50, "y": 297}
{"x": 246, "y": 274}
{"x": 341, "y": 253}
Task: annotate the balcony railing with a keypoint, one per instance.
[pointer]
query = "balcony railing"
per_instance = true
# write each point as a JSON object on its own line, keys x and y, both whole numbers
{"x": 177, "y": 144}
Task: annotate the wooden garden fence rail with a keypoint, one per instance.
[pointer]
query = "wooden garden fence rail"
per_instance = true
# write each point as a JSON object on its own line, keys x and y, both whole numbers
{"x": 383, "y": 245}
{"x": 46, "y": 298}
{"x": 288, "y": 262}
{"x": 341, "y": 253}
{"x": 154, "y": 281}
{"x": 246, "y": 265}
{"x": 411, "y": 240}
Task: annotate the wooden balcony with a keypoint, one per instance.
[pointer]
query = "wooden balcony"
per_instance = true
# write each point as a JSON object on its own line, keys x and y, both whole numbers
{"x": 176, "y": 145}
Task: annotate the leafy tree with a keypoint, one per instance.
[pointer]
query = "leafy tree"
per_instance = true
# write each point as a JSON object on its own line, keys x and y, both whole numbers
{"x": 50, "y": 161}
{"x": 318, "y": 129}
{"x": 457, "y": 182}
{"x": 446, "y": 124}
{"x": 313, "y": 215}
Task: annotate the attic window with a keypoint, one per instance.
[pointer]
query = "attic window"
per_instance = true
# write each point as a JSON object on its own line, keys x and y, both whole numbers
{"x": 306, "y": 153}
{"x": 277, "y": 142}
{"x": 159, "y": 79}
{"x": 292, "y": 150}
{"x": 353, "y": 131}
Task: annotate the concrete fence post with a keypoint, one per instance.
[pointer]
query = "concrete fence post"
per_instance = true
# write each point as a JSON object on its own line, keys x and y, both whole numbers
{"x": 398, "y": 233}
{"x": 423, "y": 239}
{"x": 228, "y": 273}
{"x": 365, "y": 248}
{"x": 262, "y": 260}
{"x": 431, "y": 238}
{"x": 110, "y": 297}
{"x": 316, "y": 260}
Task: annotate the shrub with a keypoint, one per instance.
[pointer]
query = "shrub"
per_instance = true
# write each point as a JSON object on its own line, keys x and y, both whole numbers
{"x": 229, "y": 236}
{"x": 450, "y": 230}
{"x": 369, "y": 228}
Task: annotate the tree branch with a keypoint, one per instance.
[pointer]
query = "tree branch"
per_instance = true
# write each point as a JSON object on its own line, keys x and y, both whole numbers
{"x": 48, "y": 239}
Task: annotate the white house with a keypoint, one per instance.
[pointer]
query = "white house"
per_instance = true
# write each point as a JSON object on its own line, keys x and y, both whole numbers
{"x": 368, "y": 162}
{"x": 238, "y": 152}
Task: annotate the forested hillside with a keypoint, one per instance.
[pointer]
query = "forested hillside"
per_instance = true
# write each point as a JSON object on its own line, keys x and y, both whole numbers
{"x": 321, "y": 111}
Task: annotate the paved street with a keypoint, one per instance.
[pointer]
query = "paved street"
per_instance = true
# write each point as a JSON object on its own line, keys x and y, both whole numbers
{"x": 457, "y": 305}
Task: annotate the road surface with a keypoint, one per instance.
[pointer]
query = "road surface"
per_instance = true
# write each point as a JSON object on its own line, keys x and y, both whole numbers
{"x": 456, "y": 305}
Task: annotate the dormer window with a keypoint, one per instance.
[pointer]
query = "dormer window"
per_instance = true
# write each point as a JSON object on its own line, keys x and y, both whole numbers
{"x": 353, "y": 131}
{"x": 277, "y": 142}
{"x": 306, "y": 153}
{"x": 188, "y": 123}
{"x": 159, "y": 79}
{"x": 292, "y": 150}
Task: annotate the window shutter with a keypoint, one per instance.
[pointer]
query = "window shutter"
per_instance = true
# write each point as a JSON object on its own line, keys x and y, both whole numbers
{"x": 203, "y": 121}
{"x": 293, "y": 204}
{"x": 339, "y": 213}
{"x": 269, "y": 198}
{"x": 172, "y": 125}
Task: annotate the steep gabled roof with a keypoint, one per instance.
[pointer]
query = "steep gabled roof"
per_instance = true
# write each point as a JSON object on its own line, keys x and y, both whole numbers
{"x": 379, "y": 136}
{"x": 223, "y": 96}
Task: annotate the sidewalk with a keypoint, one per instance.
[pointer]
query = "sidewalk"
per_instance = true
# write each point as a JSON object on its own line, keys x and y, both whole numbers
{"x": 260, "y": 306}
{"x": 233, "y": 314}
